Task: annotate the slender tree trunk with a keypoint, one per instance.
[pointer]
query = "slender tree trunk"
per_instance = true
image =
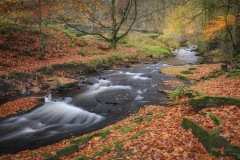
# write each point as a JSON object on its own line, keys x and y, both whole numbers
{"x": 113, "y": 41}
{"x": 161, "y": 16}
{"x": 40, "y": 36}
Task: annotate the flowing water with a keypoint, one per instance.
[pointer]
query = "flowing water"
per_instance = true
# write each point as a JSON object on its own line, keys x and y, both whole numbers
{"x": 112, "y": 96}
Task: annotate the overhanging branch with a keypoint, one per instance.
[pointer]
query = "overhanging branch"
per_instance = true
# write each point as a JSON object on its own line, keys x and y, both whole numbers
{"x": 80, "y": 30}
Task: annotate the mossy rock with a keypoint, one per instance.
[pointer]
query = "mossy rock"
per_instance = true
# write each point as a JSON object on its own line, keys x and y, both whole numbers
{"x": 212, "y": 141}
{"x": 65, "y": 82}
{"x": 16, "y": 75}
{"x": 46, "y": 70}
{"x": 66, "y": 85}
{"x": 4, "y": 86}
{"x": 212, "y": 101}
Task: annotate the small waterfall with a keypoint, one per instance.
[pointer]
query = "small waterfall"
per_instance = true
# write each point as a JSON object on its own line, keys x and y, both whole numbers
{"x": 48, "y": 121}
{"x": 48, "y": 98}
{"x": 102, "y": 86}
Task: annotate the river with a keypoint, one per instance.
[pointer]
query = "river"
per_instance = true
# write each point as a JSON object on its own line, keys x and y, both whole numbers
{"x": 108, "y": 97}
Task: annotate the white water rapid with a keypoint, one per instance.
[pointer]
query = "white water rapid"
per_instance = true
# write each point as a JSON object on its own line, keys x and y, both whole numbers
{"x": 48, "y": 121}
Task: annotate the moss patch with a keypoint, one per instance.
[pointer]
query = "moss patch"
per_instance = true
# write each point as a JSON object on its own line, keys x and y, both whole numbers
{"x": 104, "y": 133}
{"x": 82, "y": 140}
{"x": 212, "y": 141}
{"x": 211, "y": 101}
{"x": 63, "y": 152}
{"x": 125, "y": 130}
{"x": 180, "y": 92}
{"x": 138, "y": 119}
{"x": 46, "y": 70}
{"x": 187, "y": 72}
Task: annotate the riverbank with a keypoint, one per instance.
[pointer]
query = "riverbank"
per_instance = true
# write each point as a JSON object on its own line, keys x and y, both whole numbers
{"x": 158, "y": 132}
{"x": 68, "y": 58}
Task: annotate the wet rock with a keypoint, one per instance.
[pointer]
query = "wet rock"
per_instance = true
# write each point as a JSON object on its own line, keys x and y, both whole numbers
{"x": 17, "y": 82}
{"x": 4, "y": 86}
{"x": 34, "y": 84}
{"x": 150, "y": 56}
{"x": 65, "y": 82}
{"x": 183, "y": 42}
{"x": 193, "y": 50}
{"x": 68, "y": 75}
{"x": 166, "y": 92}
{"x": 53, "y": 87}
{"x": 45, "y": 85}
{"x": 89, "y": 81}
{"x": 198, "y": 54}
{"x": 79, "y": 85}
{"x": 115, "y": 98}
{"x": 23, "y": 90}
{"x": 28, "y": 92}
{"x": 29, "y": 81}
{"x": 173, "y": 53}
{"x": 35, "y": 90}
{"x": 102, "y": 78}
{"x": 82, "y": 77}
{"x": 60, "y": 89}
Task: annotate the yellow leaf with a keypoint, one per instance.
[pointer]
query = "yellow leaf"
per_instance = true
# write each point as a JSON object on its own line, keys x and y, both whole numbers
{"x": 165, "y": 134}
{"x": 96, "y": 138}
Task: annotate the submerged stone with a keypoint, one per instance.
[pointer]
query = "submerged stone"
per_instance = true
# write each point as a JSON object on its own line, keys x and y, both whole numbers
{"x": 115, "y": 98}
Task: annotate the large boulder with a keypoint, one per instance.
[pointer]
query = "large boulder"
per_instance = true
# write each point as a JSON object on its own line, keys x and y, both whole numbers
{"x": 4, "y": 86}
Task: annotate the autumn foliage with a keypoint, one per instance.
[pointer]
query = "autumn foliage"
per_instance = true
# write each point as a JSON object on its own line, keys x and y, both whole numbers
{"x": 216, "y": 27}
{"x": 18, "y": 106}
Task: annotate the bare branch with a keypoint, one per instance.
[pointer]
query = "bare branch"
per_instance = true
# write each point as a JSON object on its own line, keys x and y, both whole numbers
{"x": 80, "y": 30}
{"x": 135, "y": 17}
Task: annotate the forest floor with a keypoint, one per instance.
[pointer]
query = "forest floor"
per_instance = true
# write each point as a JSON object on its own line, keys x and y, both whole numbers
{"x": 155, "y": 132}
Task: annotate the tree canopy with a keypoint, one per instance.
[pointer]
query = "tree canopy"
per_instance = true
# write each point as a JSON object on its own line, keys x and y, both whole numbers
{"x": 113, "y": 19}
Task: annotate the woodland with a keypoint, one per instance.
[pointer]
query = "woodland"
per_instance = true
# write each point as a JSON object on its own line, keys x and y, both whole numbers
{"x": 46, "y": 44}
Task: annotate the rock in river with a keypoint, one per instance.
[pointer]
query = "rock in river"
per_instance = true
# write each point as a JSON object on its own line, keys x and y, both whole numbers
{"x": 115, "y": 98}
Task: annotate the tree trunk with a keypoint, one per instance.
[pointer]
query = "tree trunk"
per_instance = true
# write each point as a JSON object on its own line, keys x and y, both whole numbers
{"x": 113, "y": 43}
{"x": 161, "y": 14}
{"x": 40, "y": 36}
{"x": 237, "y": 37}
{"x": 113, "y": 40}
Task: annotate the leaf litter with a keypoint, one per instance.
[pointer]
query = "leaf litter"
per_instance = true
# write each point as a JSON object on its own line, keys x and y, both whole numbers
{"x": 158, "y": 135}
